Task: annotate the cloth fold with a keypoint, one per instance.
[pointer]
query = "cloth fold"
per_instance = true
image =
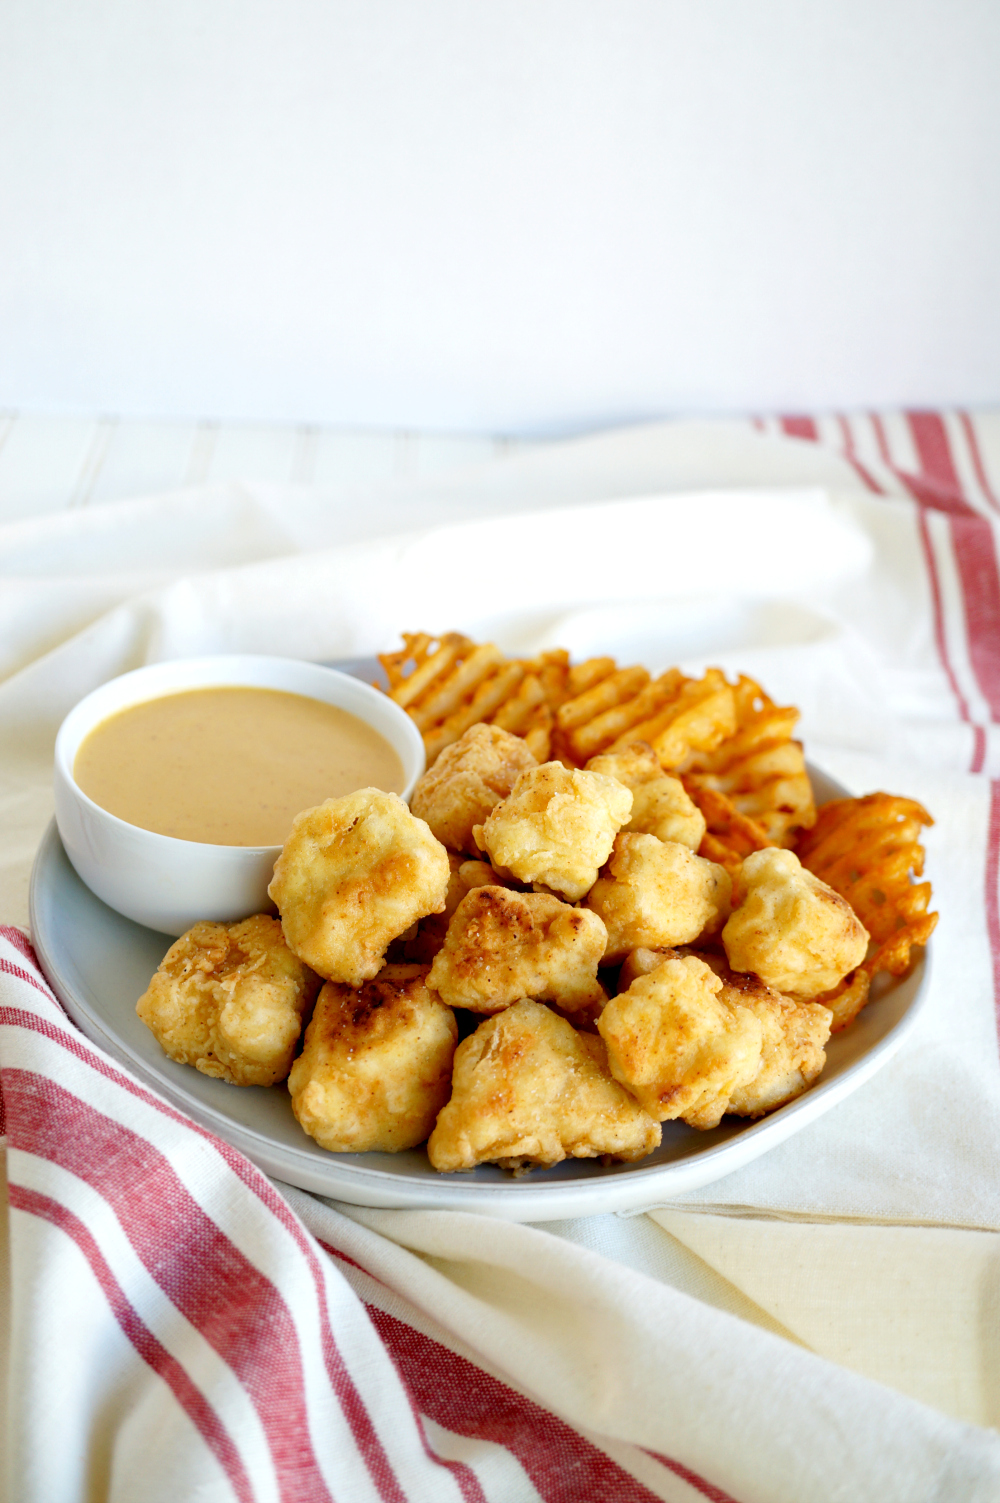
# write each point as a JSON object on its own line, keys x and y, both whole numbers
{"x": 167, "y": 1304}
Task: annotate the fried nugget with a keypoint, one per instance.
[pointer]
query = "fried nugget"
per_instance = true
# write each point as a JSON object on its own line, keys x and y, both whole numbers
{"x": 556, "y": 828}
{"x": 655, "y": 894}
{"x": 503, "y": 945}
{"x": 794, "y": 1035}
{"x": 355, "y": 873}
{"x": 640, "y": 962}
{"x": 375, "y": 1068}
{"x": 469, "y": 778}
{"x": 660, "y": 803}
{"x": 422, "y": 942}
{"x": 529, "y": 1090}
{"x": 788, "y": 927}
{"x": 675, "y": 1043}
{"x": 229, "y": 999}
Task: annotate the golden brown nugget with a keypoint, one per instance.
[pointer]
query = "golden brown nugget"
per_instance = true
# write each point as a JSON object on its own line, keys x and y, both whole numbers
{"x": 640, "y": 962}
{"x": 676, "y": 1045}
{"x": 469, "y": 778}
{"x": 793, "y": 1052}
{"x": 422, "y": 941}
{"x": 503, "y": 945}
{"x": 529, "y": 1090}
{"x": 654, "y": 894}
{"x": 660, "y": 803}
{"x": 556, "y": 828}
{"x": 354, "y": 874}
{"x": 792, "y": 930}
{"x": 229, "y": 999}
{"x": 375, "y": 1068}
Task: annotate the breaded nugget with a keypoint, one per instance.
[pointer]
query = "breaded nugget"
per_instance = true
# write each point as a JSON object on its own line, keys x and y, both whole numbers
{"x": 676, "y": 1045}
{"x": 503, "y": 945}
{"x": 529, "y": 1090}
{"x": 794, "y": 1035}
{"x": 655, "y": 893}
{"x": 660, "y": 803}
{"x": 469, "y": 778}
{"x": 556, "y": 828}
{"x": 796, "y": 933}
{"x": 640, "y": 962}
{"x": 375, "y": 1068}
{"x": 354, "y": 874}
{"x": 422, "y": 942}
{"x": 229, "y": 999}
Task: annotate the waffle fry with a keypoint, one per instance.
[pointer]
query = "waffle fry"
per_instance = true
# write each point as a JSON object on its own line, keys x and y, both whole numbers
{"x": 676, "y": 715}
{"x": 868, "y": 850}
{"x": 759, "y": 767}
{"x": 448, "y": 683}
{"x": 730, "y": 835}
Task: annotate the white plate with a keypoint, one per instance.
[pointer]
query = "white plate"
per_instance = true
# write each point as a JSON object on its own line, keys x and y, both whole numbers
{"x": 99, "y": 963}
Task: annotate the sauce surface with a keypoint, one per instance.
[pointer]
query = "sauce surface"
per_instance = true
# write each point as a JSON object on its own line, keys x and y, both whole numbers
{"x": 230, "y": 766}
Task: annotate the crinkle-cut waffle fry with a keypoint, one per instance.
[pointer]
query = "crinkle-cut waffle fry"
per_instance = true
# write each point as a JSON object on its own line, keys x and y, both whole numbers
{"x": 445, "y": 697}
{"x": 847, "y": 999}
{"x": 760, "y": 767}
{"x": 448, "y": 683}
{"x": 552, "y": 670}
{"x": 607, "y": 694}
{"x": 491, "y": 693}
{"x": 868, "y": 849}
{"x": 730, "y": 836}
{"x": 674, "y": 714}
{"x": 429, "y": 665}
{"x": 583, "y": 676}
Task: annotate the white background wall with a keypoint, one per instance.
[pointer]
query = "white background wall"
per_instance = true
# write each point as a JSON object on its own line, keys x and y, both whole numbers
{"x": 519, "y": 215}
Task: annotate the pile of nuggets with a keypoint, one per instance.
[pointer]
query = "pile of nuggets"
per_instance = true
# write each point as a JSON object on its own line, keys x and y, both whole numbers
{"x": 611, "y": 904}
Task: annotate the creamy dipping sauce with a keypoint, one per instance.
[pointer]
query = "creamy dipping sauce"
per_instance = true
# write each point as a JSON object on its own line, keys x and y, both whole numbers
{"x": 230, "y": 766}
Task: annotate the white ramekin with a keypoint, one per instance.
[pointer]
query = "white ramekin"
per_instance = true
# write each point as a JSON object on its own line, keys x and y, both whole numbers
{"x": 168, "y": 884}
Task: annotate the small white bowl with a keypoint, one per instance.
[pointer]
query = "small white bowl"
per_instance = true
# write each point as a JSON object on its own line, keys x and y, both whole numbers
{"x": 169, "y": 884}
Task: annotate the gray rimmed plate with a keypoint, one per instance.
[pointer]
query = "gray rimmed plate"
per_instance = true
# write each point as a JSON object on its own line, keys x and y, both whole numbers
{"x": 99, "y": 963}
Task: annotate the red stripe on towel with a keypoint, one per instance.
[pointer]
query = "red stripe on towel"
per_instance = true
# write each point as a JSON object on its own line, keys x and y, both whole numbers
{"x": 152, "y": 1352}
{"x": 239, "y": 1312}
{"x": 561, "y": 1463}
{"x": 800, "y": 427}
{"x": 969, "y": 429}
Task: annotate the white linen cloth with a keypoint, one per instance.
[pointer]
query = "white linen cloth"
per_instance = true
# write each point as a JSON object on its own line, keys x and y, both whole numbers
{"x": 861, "y": 585}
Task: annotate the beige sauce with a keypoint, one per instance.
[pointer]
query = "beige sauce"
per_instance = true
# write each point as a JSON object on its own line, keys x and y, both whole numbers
{"x": 230, "y": 766}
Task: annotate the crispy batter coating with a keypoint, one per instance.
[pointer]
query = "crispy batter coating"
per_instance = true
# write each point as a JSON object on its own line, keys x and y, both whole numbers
{"x": 229, "y": 999}
{"x": 796, "y": 933}
{"x": 469, "y": 778}
{"x": 640, "y": 962}
{"x": 792, "y": 1047}
{"x": 354, "y": 874}
{"x": 793, "y": 1034}
{"x": 677, "y": 1046}
{"x": 503, "y": 945}
{"x": 660, "y": 804}
{"x": 656, "y": 893}
{"x": 529, "y": 1090}
{"x": 556, "y": 828}
{"x": 424, "y": 940}
{"x": 375, "y": 1068}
